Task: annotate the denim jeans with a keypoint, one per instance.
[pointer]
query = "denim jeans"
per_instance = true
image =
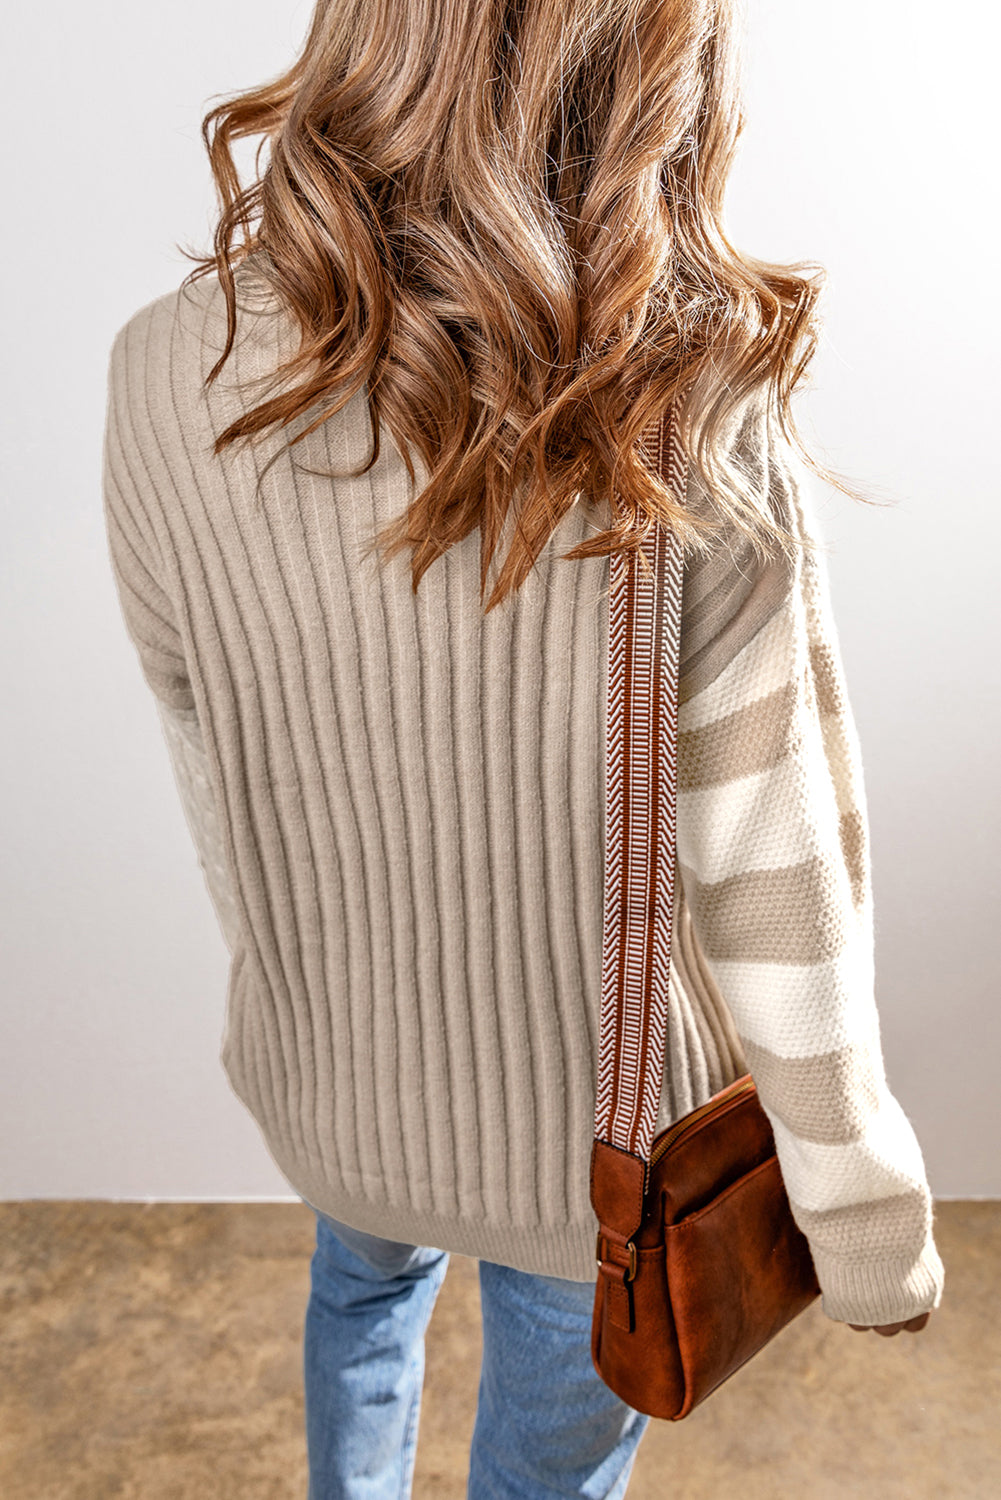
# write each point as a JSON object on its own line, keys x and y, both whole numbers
{"x": 546, "y": 1424}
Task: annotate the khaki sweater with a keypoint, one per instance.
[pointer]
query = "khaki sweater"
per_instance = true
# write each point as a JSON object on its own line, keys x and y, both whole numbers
{"x": 398, "y": 805}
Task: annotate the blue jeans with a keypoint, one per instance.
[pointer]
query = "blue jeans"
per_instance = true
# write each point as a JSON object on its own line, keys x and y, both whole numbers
{"x": 546, "y": 1424}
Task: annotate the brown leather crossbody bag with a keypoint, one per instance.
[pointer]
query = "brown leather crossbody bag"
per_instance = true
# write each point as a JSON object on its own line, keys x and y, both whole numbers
{"x": 700, "y": 1262}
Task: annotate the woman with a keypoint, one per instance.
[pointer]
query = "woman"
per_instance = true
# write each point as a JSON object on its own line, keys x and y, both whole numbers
{"x": 484, "y": 255}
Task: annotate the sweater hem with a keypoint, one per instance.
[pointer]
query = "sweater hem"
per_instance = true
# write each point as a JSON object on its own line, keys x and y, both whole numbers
{"x": 561, "y": 1250}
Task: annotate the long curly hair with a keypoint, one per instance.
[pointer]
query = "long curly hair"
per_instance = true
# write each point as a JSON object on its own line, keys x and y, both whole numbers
{"x": 505, "y": 218}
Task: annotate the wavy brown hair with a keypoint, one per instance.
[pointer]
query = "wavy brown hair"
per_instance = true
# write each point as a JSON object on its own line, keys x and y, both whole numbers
{"x": 505, "y": 217}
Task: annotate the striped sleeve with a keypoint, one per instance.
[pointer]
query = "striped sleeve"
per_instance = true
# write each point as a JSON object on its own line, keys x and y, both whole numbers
{"x": 189, "y": 761}
{"x": 773, "y": 855}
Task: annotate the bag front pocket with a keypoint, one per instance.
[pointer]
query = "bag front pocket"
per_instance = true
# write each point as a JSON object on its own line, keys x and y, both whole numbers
{"x": 738, "y": 1270}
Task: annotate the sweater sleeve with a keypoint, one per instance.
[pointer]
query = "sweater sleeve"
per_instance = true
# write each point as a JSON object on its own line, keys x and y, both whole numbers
{"x": 773, "y": 855}
{"x": 189, "y": 761}
{"x": 129, "y": 502}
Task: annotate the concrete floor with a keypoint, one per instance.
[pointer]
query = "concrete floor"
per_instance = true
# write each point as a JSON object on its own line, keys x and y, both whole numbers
{"x": 153, "y": 1352}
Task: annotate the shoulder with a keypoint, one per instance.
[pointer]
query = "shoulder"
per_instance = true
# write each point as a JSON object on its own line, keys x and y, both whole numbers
{"x": 161, "y": 357}
{"x": 156, "y": 357}
{"x": 731, "y": 591}
{"x": 169, "y": 333}
{"x": 180, "y": 335}
{"x": 756, "y": 447}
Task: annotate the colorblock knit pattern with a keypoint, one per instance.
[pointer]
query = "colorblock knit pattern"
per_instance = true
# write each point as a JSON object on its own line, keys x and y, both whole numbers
{"x": 398, "y": 809}
{"x": 773, "y": 851}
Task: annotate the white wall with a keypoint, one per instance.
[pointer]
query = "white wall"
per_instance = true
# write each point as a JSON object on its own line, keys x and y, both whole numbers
{"x": 867, "y": 148}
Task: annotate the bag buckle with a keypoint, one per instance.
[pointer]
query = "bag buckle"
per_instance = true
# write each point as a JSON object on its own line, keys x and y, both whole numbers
{"x": 630, "y": 1272}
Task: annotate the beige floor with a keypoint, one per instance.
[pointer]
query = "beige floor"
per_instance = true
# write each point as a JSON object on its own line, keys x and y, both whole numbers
{"x": 153, "y": 1353}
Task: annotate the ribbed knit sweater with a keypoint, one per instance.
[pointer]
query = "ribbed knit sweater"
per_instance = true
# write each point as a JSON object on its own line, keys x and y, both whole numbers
{"x": 398, "y": 806}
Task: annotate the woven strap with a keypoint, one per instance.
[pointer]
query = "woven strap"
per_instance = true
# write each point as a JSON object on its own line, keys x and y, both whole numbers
{"x": 644, "y": 633}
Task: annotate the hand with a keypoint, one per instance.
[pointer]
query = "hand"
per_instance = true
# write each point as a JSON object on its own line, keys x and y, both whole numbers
{"x": 913, "y": 1325}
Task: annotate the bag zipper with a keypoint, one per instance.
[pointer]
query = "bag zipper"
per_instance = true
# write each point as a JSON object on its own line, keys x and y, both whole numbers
{"x": 674, "y": 1132}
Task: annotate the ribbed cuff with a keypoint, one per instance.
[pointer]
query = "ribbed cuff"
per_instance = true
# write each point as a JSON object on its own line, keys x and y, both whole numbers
{"x": 880, "y": 1291}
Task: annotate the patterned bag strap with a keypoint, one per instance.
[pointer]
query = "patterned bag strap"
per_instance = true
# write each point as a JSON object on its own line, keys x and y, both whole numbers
{"x": 644, "y": 631}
